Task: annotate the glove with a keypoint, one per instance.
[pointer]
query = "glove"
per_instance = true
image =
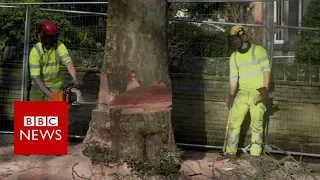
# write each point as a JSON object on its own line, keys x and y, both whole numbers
{"x": 230, "y": 101}
{"x": 75, "y": 83}
{"x": 264, "y": 96}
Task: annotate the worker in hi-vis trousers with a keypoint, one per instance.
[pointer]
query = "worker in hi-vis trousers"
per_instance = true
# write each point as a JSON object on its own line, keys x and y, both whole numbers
{"x": 250, "y": 67}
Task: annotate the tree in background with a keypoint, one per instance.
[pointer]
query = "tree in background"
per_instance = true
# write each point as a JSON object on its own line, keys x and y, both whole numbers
{"x": 191, "y": 39}
{"x": 308, "y": 42}
{"x": 93, "y": 23}
{"x": 197, "y": 11}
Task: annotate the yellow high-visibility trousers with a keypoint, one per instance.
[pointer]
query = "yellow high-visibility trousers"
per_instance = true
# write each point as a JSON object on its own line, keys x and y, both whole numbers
{"x": 241, "y": 105}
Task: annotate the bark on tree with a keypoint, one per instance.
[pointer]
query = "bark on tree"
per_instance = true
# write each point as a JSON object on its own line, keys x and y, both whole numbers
{"x": 137, "y": 121}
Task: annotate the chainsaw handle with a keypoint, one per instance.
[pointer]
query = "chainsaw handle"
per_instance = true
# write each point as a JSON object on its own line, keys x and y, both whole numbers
{"x": 70, "y": 85}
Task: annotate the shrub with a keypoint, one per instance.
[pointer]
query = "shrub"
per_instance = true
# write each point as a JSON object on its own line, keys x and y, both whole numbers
{"x": 308, "y": 43}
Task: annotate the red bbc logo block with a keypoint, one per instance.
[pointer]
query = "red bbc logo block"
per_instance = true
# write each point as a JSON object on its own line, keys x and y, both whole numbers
{"x": 40, "y": 128}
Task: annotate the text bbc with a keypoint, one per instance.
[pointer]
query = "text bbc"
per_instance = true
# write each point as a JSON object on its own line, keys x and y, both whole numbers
{"x": 42, "y": 121}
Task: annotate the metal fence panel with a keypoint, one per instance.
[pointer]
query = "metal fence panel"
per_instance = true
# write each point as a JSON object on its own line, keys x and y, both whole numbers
{"x": 198, "y": 52}
{"x": 199, "y": 67}
{"x": 198, "y": 48}
{"x": 82, "y": 29}
{"x": 11, "y": 54}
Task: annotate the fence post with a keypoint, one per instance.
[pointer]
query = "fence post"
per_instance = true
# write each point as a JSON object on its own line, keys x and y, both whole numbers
{"x": 269, "y": 40}
{"x": 25, "y": 71}
{"x": 270, "y": 27}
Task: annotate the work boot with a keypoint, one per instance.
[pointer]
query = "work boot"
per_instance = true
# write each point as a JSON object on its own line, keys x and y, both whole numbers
{"x": 232, "y": 158}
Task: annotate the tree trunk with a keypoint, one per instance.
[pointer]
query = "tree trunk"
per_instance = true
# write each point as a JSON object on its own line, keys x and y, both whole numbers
{"x": 137, "y": 121}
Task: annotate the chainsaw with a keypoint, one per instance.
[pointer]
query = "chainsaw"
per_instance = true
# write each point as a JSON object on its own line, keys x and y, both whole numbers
{"x": 73, "y": 96}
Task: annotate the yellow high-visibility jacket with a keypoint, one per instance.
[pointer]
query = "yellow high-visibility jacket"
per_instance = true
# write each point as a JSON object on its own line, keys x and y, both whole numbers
{"x": 46, "y": 64}
{"x": 249, "y": 67}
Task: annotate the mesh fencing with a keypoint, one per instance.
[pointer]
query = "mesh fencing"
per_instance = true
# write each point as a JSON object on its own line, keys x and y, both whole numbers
{"x": 82, "y": 28}
{"x": 199, "y": 57}
{"x": 201, "y": 29}
{"x": 199, "y": 65}
{"x": 83, "y": 31}
{"x": 11, "y": 53}
{"x": 295, "y": 109}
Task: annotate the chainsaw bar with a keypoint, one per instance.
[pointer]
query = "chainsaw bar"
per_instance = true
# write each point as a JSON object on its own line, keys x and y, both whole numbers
{"x": 78, "y": 103}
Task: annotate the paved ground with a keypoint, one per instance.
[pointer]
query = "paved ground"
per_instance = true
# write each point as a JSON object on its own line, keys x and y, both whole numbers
{"x": 196, "y": 165}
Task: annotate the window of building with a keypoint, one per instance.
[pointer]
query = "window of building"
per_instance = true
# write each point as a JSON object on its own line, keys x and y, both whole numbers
{"x": 287, "y": 13}
{"x": 279, "y": 20}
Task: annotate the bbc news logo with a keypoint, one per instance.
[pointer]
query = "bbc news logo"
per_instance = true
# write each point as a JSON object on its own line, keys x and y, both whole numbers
{"x": 40, "y": 128}
{"x": 40, "y": 121}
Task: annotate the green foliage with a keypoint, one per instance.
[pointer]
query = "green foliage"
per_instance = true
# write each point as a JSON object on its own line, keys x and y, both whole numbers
{"x": 207, "y": 40}
{"x": 99, "y": 154}
{"x": 165, "y": 164}
{"x": 308, "y": 43}
{"x": 186, "y": 39}
{"x": 13, "y": 21}
{"x": 199, "y": 11}
{"x": 196, "y": 39}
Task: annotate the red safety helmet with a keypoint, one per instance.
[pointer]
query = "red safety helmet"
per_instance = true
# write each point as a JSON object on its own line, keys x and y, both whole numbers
{"x": 47, "y": 27}
{"x": 48, "y": 31}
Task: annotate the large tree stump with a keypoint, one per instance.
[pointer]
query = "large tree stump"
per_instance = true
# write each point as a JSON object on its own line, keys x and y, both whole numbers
{"x": 141, "y": 122}
{"x": 137, "y": 121}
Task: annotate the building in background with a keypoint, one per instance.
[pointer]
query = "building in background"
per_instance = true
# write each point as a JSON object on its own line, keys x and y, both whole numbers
{"x": 285, "y": 13}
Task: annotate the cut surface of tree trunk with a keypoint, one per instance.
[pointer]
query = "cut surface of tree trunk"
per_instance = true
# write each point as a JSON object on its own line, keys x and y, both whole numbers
{"x": 141, "y": 122}
{"x": 137, "y": 121}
